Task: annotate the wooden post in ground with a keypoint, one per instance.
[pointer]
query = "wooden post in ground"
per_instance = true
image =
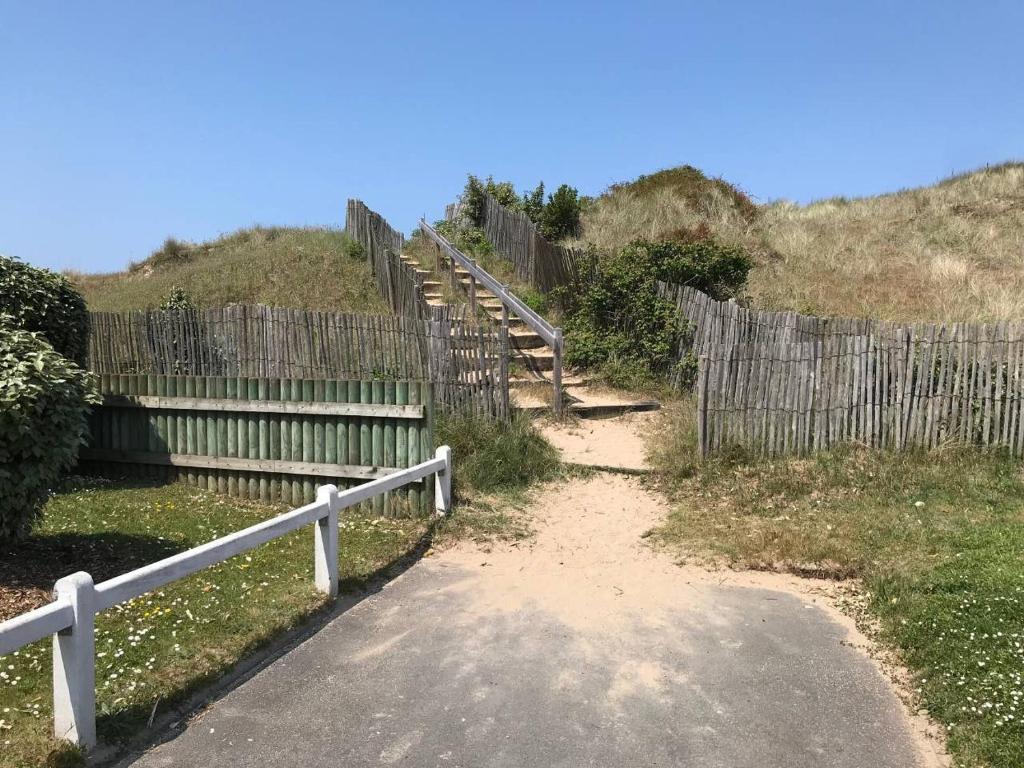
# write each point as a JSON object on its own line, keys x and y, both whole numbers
{"x": 556, "y": 374}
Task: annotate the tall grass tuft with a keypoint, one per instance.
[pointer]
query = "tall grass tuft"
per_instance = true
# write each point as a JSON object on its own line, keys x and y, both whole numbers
{"x": 494, "y": 456}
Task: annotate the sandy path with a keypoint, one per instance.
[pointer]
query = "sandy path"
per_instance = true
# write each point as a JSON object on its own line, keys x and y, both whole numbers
{"x": 615, "y": 442}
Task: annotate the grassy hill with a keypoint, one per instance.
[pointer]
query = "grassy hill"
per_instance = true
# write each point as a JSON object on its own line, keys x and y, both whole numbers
{"x": 951, "y": 251}
{"x": 296, "y": 267}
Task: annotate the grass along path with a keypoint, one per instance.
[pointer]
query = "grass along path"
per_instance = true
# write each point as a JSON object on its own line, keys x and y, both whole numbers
{"x": 937, "y": 540}
{"x": 154, "y": 650}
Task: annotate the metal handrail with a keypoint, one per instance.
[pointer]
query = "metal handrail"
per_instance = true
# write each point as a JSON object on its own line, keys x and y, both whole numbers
{"x": 549, "y": 333}
{"x": 543, "y": 328}
{"x": 70, "y": 618}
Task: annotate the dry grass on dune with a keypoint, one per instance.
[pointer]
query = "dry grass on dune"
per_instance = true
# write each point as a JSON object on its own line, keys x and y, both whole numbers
{"x": 656, "y": 206}
{"x": 952, "y": 251}
{"x": 303, "y": 267}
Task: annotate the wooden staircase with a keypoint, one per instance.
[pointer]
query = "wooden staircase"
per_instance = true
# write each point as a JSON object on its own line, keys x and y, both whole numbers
{"x": 527, "y": 348}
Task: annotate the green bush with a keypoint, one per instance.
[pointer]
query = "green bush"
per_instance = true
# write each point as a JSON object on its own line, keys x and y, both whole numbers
{"x": 561, "y": 216}
{"x": 617, "y": 320}
{"x": 474, "y": 194}
{"x": 494, "y": 455}
{"x": 178, "y": 299}
{"x": 533, "y": 203}
{"x": 44, "y": 301}
{"x": 44, "y": 400}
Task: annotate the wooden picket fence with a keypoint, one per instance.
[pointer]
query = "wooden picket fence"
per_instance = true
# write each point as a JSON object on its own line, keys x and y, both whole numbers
{"x": 398, "y": 283}
{"x": 515, "y": 238}
{"x": 270, "y": 439}
{"x": 464, "y": 361}
{"x": 785, "y": 383}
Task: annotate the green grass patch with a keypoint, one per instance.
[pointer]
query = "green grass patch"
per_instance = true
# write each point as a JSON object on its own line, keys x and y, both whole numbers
{"x": 302, "y": 267}
{"x": 936, "y": 538}
{"x": 496, "y": 457}
{"x": 156, "y": 649}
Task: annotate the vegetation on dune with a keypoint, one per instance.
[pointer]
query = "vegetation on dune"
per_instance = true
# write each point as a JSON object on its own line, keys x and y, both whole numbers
{"x": 936, "y": 538}
{"x": 946, "y": 253}
{"x": 949, "y": 252}
{"x": 557, "y": 218}
{"x": 617, "y": 324}
{"x": 308, "y": 268}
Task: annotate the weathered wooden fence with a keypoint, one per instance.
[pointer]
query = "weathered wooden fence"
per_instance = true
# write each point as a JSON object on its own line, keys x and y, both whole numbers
{"x": 515, "y": 238}
{"x": 264, "y": 438}
{"x": 398, "y": 282}
{"x": 784, "y": 383}
{"x": 461, "y": 359}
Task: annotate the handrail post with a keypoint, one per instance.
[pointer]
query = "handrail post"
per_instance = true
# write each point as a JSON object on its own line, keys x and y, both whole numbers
{"x": 443, "y": 482}
{"x": 472, "y": 292}
{"x": 325, "y": 543}
{"x": 74, "y": 664}
{"x": 556, "y": 373}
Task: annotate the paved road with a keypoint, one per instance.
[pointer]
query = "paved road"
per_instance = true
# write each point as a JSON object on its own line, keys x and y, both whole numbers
{"x": 425, "y": 673}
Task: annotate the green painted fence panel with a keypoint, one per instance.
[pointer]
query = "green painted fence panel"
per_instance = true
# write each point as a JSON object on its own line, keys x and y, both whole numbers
{"x": 250, "y": 452}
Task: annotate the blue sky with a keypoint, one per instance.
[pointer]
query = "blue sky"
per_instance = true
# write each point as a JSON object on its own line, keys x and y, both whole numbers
{"x": 123, "y": 123}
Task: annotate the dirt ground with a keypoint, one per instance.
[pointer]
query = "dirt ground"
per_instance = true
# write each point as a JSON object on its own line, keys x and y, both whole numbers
{"x": 612, "y": 442}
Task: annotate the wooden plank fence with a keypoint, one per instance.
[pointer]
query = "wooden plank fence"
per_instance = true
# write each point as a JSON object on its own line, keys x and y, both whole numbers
{"x": 515, "y": 238}
{"x": 463, "y": 360}
{"x": 784, "y": 383}
{"x": 265, "y": 438}
{"x": 398, "y": 282}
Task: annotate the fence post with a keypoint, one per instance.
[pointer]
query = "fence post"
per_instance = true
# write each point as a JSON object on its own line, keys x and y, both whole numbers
{"x": 443, "y": 482}
{"x": 325, "y": 543}
{"x": 74, "y": 664}
{"x": 557, "y": 373}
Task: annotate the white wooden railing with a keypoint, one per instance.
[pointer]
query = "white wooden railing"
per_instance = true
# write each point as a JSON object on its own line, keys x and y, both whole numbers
{"x": 71, "y": 617}
{"x": 551, "y": 335}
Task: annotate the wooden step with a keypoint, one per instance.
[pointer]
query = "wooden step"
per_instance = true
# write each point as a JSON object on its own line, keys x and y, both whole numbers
{"x": 431, "y": 285}
{"x": 524, "y": 339}
{"x": 541, "y": 360}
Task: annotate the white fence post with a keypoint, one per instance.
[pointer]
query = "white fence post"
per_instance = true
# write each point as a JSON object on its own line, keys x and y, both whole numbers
{"x": 74, "y": 664}
{"x": 443, "y": 482}
{"x": 325, "y": 534}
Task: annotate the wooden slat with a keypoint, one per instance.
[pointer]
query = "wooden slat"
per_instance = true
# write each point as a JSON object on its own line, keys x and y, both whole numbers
{"x": 260, "y": 406}
{"x": 299, "y": 468}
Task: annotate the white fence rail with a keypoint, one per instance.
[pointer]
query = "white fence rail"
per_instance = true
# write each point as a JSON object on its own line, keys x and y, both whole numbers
{"x": 551, "y": 335}
{"x": 71, "y": 617}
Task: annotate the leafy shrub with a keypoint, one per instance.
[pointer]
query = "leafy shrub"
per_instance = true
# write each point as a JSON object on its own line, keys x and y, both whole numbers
{"x": 716, "y": 269}
{"x": 533, "y": 203}
{"x": 44, "y": 399}
{"x": 471, "y": 240}
{"x": 474, "y": 195}
{"x": 561, "y": 216}
{"x": 354, "y": 250}
{"x": 493, "y": 455}
{"x": 557, "y": 218}
{"x": 44, "y": 301}
{"x": 178, "y": 299}
{"x": 617, "y": 321}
